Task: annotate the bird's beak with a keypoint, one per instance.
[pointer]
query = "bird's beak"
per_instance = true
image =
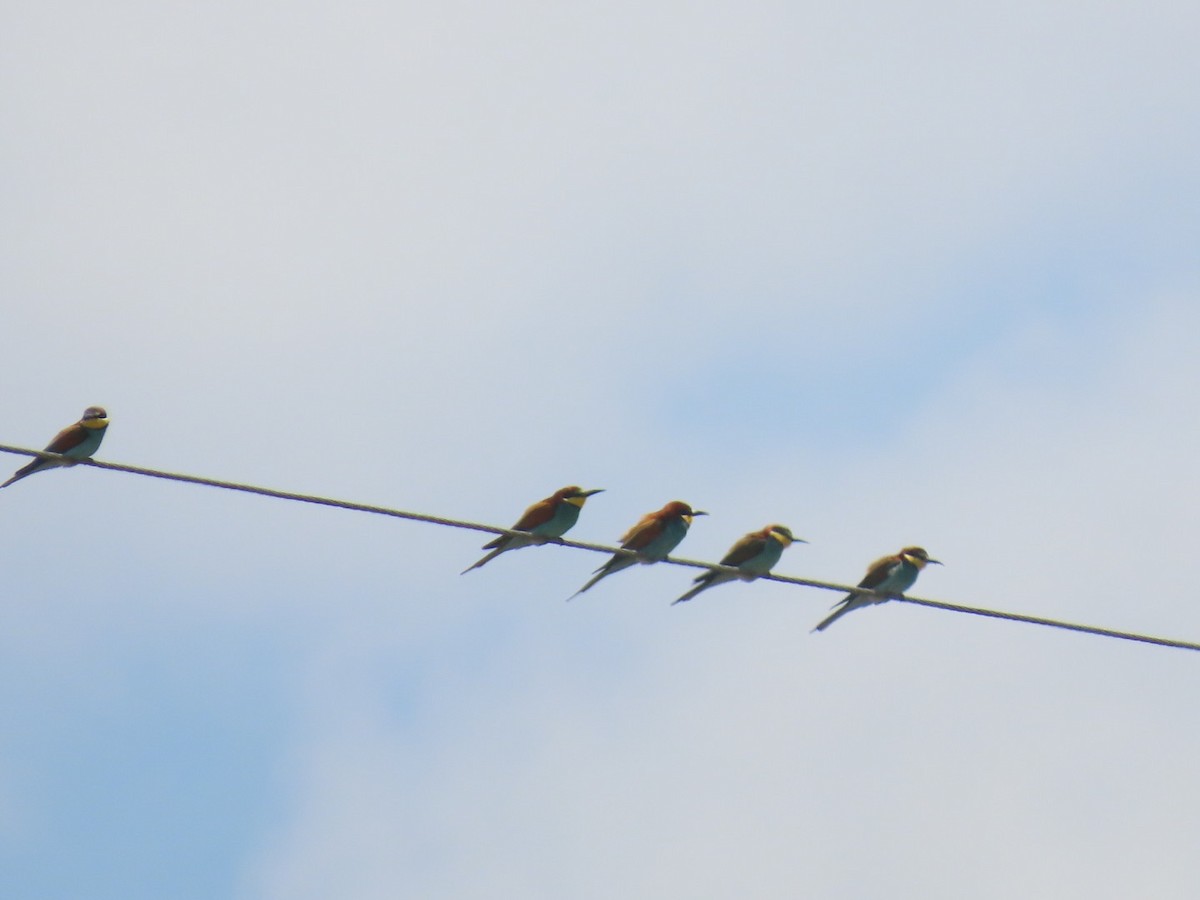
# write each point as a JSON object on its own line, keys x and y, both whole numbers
{"x": 936, "y": 562}
{"x": 589, "y": 493}
{"x": 799, "y": 541}
{"x": 699, "y": 512}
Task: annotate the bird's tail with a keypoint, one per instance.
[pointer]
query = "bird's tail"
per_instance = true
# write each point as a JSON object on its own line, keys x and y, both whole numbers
{"x": 487, "y": 559}
{"x": 618, "y": 562}
{"x": 27, "y": 469}
{"x": 840, "y": 608}
{"x": 601, "y": 572}
{"x": 703, "y": 582}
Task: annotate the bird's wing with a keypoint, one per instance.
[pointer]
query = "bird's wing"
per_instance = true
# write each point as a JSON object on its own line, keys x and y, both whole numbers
{"x": 641, "y": 534}
{"x": 67, "y": 439}
{"x": 876, "y": 575}
{"x": 747, "y": 548}
{"x": 538, "y": 514}
{"x": 497, "y": 541}
{"x": 878, "y": 572}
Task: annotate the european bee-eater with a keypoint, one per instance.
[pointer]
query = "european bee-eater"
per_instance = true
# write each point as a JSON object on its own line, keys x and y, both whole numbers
{"x": 753, "y": 555}
{"x": 545, "y": 520}
{"x": 78, "y": 441}
{"x": 654, "y": 536}
{"x": 892, "y": 575}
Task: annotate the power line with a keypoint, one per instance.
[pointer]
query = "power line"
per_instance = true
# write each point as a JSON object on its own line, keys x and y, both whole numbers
{"x": 584, "y": 545}
{"x": 1054, "y": 623}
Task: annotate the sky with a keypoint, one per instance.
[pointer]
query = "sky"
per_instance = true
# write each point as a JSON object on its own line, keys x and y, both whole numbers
{"x": 889, "y": 274}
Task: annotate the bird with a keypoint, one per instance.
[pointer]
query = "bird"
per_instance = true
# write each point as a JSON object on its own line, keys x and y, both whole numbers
{"x": 546, "y": 520}
{"x": 891, "y": 575}
{"x": 654, "y": 536}
{"x": 78, "y": 441}
{"x": 753, "y": 555}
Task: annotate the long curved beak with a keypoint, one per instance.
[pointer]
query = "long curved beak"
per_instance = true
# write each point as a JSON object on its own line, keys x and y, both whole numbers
{"x": 936, "y": 562}
{"x": 699, "y": 512}
{"x": 589, "y": 493}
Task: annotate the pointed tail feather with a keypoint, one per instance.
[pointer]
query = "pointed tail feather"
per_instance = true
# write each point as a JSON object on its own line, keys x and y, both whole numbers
{"x": 831, "y": 618}
{"x": 618, "y": 562}
{"x": 26, "y": 470}
{"x": 703, "y": 583}
{"x": 843, "y": 606}
{"x": 504, "y": 542}
{"x": 487, "y": 559}
{"x": 601, "y": 572}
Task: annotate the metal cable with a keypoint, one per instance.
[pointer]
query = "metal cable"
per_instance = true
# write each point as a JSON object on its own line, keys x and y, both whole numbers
{"x": 584, "y": 545}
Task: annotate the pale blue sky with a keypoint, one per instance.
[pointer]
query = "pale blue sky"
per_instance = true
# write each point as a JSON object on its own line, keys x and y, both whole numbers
{"x": 887, "y": 274}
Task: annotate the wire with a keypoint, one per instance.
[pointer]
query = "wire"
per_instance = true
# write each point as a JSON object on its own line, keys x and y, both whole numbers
{"x": 595, "y": 548}
{"x": 1053, "y": 623}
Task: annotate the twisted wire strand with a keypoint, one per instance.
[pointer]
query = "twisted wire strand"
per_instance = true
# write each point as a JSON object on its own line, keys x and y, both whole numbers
{"x": 595, "y": 548}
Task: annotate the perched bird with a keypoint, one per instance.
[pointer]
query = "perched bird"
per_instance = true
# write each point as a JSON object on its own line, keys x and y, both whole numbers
{"x": 753, "y": 555}
{"x": 545, "y": 520}
{"x": 892, "y": 575}
{"x": 78, "y": 441}
{"x": 654, "y": 536}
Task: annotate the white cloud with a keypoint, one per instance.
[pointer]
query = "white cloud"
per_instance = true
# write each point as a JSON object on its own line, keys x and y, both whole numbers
{"x": 623, "y": 747}
{"x": 451, "y": 258}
